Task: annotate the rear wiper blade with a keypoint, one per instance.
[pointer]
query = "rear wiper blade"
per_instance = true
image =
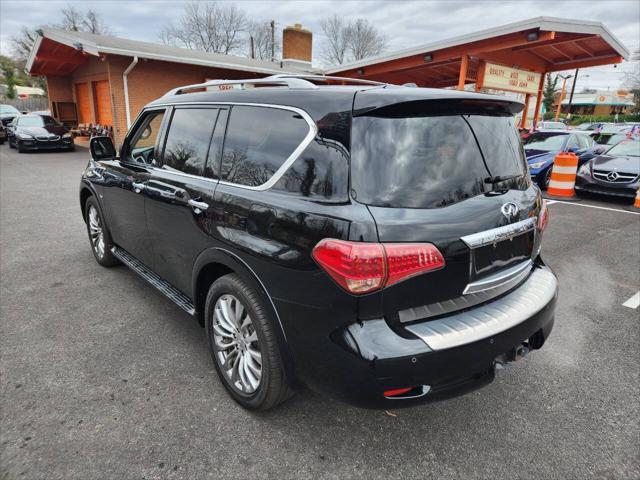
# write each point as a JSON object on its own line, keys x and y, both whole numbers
{"x": 500, "y": 178}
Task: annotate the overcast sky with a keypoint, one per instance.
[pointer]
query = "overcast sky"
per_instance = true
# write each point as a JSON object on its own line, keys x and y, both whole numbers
{"x": 406, "y": 24}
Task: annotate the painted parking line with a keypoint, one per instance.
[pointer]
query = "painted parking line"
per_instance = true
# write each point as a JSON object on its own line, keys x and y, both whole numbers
{"x": 633, "y": 302}
{"x": 551, "y": 202}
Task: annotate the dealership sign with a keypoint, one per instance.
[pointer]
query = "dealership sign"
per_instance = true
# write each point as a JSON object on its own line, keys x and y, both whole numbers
{"x": 506, "y": 78}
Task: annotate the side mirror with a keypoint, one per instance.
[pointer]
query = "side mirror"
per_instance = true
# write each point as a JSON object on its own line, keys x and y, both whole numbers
{"x": 102, "y": 148}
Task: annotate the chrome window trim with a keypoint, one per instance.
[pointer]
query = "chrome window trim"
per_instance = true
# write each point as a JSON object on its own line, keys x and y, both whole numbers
{"x": 311, "y": 134}
{"x": 493, "y": 235}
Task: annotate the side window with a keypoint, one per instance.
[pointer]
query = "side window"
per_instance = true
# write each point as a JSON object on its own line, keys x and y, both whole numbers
{"x": 258, "y": 141}
{"x": 141, "y": 146}
{"x": 212, "y": 170}
{"x": 188, "y": 139}
{"x": 573, "y": 142}
{"x": 584, "y": 142}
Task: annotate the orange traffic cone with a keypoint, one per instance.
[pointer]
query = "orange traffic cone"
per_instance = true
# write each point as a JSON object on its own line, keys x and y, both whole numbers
{"x": 563, "y": 175}
{"x": 637, "y": 202}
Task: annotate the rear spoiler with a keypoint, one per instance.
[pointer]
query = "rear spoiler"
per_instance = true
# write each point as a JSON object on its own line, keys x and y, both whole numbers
{"x": 400, "y": 103}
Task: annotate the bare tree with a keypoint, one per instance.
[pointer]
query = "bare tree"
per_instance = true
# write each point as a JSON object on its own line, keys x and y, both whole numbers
{"x": 72, "y": 19}
{"x": 21, "y": 44}
{"x": 336, "y": 32}
{"x": 364, "y": 40}
{"x": 93, "y": 23}
{"x": 209, "y": 27}
{"x": 353, "y": 40}
{"x": 262, "y": 40}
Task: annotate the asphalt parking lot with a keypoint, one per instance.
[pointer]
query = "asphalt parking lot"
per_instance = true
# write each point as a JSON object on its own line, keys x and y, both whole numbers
{"x": 102, "y": 377}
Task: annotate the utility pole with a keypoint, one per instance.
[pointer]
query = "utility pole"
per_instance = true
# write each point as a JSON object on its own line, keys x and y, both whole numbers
{"x": 273, "y": 41}
{"x": 253, "y": 50}
{"x": 573, "y": 87}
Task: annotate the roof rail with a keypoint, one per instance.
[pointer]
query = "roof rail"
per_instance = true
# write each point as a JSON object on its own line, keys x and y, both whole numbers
{"x": 282, "y": 79}
{"x": 290, "y": 81}
{"x": 320, "y": 78}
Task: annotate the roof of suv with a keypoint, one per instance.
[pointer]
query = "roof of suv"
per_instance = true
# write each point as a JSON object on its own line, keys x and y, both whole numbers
{"x": 305, "y": 97}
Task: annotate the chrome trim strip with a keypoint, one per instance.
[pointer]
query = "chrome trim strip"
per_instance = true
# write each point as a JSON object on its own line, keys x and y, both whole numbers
{"x": 455, "y": 305}
{"x": 171, "y": 292}
{"x": 313, "y": 131}
{"x": 491, "y": 318}
{"x": 510, "y": 275}
{"x": 488, "y": 237}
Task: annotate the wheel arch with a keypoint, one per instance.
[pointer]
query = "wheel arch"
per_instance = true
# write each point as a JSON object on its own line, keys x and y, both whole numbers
{"x": 216, "y": 262}
{"x": 85, "y": 192}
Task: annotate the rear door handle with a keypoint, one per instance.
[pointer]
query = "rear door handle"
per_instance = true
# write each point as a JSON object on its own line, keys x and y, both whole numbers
{"x": 198, "y": 207}
{"x": 138, "y": 187}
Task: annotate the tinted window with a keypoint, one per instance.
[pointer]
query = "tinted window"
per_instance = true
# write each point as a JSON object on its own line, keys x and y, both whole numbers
{"x": 188, "y": 139}
{"x": 572, "y": 143}
{"x": 321, "y": 170}
{"x": 258, "y": 141}
{"x": 583, "y": 141}
{"x": 546, "y": 142}
{"x": 212, "y": 170}
{"x": 141, "y": 146}
{"x": 431, "y": 161}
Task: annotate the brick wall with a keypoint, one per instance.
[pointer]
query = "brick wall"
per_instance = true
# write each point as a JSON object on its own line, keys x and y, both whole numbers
{"x": 59, "y": 90}
{"x": 149, "y": 80}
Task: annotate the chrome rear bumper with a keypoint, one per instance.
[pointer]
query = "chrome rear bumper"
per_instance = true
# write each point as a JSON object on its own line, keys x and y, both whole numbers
{"x": 491, "y": 318}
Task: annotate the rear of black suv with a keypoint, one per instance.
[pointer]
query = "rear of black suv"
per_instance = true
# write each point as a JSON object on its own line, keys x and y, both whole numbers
{"x": 379, "y": 244}
{"x": 454, "y": 283}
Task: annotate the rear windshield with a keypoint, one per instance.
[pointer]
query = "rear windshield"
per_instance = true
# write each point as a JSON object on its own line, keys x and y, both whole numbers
{"x": 432, "y": 161}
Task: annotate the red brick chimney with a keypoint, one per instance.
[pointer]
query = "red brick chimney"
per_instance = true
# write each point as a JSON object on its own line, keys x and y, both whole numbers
{"x": 296, "y": 46}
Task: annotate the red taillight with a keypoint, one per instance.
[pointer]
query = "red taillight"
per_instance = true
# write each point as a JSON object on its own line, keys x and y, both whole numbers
{"x": 361, "y": 267}
{"x": 405, "y": 260}
{"x": 543, "y": 218}
{"x": 357, "y": 267}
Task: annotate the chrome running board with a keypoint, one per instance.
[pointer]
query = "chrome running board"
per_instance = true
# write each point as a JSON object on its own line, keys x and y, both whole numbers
{"x": 171, "y": 292}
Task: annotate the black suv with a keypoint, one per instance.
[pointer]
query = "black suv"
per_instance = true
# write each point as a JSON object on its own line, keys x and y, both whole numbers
{"x": 378, "y": 243}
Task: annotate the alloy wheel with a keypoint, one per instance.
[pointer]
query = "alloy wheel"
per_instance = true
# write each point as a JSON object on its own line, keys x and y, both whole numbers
{"x": 236, "y": 344}
{"x": 95, "y": 232}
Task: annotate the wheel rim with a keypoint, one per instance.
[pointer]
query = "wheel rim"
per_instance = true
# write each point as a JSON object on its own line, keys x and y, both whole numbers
{"x": 95, "y": 231}
{"x": 547, "y": 177}
{"x": 236, "y": 344}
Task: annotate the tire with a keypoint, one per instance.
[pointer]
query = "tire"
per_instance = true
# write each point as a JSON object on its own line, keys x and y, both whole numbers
{"x": 11, "y": 145}
{"x": 97, "y": 231}
{"x": 20, "y": 147}
{"x": 258, "y": 334}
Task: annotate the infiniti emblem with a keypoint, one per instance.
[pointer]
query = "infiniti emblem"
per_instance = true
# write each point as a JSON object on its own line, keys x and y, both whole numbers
{"x": 509, "y": 210}
{"x": 612, "y": 176}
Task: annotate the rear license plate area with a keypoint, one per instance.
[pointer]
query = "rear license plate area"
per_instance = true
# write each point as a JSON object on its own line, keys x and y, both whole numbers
{"x": 502, "y": 254}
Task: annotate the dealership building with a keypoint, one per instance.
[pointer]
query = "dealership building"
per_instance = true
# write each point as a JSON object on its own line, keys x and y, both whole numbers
{"x": 95, "y": 79}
